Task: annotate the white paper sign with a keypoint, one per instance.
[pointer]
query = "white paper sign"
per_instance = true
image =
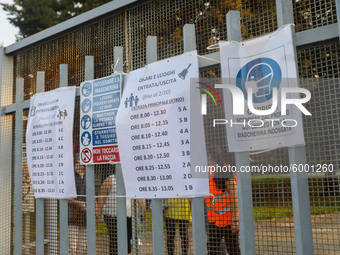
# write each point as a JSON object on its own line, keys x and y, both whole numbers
{"x": 153, "y": 128}
{"x": 264, "y": 63}
{"x": 49, "y": 143}
{"x": 99, "y": 102}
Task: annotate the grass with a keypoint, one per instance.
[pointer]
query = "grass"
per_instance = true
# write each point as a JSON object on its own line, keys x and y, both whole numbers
{"x": 261, "y": 213}
{"x": 101, "y": 229}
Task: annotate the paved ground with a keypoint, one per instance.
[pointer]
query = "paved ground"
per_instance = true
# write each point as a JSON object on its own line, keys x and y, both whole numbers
{"x": 277, "y": 236}
{"x": 273, "y": 236}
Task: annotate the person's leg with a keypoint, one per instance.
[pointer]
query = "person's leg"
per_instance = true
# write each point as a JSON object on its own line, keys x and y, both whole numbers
{"x": 72, "y": 239}
{"x": 183, "y": 231}
{"x": 111, "y": 225}
{"x": 232, "y": 242}
{"x": 139, "y": 223}
{"x": 170, "y": 225}
{"x": 215, "y": 235}
{"x": 129, "y": 232}
{"x": 82, "y": 240}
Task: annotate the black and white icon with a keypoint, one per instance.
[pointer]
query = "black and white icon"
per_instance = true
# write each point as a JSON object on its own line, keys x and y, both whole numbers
{"x": 62, "y": 114}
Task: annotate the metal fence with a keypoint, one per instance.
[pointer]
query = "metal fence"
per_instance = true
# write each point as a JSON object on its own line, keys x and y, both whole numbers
{"x": 39, "y": 226}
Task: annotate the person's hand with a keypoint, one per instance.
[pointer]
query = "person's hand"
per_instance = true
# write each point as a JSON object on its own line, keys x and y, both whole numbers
{"x": 98, "y": 219}
{"x": 234, "y": 227}
{"x": 82, "y": 205}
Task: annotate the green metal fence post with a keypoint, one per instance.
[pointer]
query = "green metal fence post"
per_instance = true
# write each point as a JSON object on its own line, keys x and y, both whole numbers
{"x": 301, "y": 204}
{"x": 197, "y": 203}
{"x": 244, "y": 190}
{"x": 90, "y": 192}
{"x": 6, "y": 139}
{"x": 297, "y": 155}
{"x": 121, "y": 200}
{"x": 39, "y": 203}
{"x": 156, "y": 204}
{"x": 18, "y": 167}
{"x": 337, "y": 2}
{"x": 63, "y": 203}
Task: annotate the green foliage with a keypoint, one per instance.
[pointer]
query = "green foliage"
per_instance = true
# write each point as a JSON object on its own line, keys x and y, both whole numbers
{"x": 101, "y": 229}
{"x": 33, "y": 16}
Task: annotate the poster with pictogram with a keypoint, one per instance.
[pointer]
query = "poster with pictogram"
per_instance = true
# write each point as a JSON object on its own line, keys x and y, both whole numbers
{"x": 49, "y": 143}
{"x": 99, "y": 102}
{"x": 154, "y": 130}
{"x": 261, "y": 93}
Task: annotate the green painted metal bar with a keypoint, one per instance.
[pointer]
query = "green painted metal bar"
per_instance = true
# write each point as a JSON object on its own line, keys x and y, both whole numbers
{"x": 244, "y": 190}
{"x": 156, "y": 204}
{"x": 40, "y": 202}
{"x": 18, "y": 167}
{"x": 337, "y": 3}
{"x": 297, "y": 155}
{"x": 197, "y": 203}
{"x": 90, "y": 189}
{"x": 121, "y": 200}
{"x": 63, "y": 203}
{"x": 6, "y": 154}
{"x": 301, "y": 204}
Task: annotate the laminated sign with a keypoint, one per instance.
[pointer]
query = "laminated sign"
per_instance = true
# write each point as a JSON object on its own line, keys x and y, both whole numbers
{"x": 261, "y": 94}
{"x": 153, "y": 125}
{"x": 99, "y": 102}
{"x": 49, "y": 143}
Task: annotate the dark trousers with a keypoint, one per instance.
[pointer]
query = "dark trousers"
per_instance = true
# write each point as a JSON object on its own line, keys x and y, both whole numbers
{"x": 170, "y": 225}
{"x": 215, "y": 235}
{"x": 111, "y": 224}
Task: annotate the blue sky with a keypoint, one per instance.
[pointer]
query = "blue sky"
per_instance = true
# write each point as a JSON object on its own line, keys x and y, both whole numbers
{"x": 8, "y": 32}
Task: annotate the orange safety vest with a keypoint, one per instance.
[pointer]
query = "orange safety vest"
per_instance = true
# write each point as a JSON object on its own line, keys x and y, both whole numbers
{"x": 219, "y": 205}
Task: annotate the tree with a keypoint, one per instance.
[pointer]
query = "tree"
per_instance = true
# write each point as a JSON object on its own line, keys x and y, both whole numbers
{"x": 33, "y": 16}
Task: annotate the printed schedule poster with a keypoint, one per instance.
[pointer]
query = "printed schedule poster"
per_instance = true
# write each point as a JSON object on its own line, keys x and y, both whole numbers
{"x": 49, "y": 146}
{"x": 153, "y": 128}
{"x": 99, "y": 102}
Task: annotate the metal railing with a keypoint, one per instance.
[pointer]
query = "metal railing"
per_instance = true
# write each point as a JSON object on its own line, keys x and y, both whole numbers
{"x": 51, "y": 238}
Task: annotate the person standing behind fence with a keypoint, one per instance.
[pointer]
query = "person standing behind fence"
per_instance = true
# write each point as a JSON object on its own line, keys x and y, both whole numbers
{"x": 28, "y": 201}
{"x": 77, "y": 212}
{"x": 222, "y": 209}
{"x": 106, "y": 204}
{"x": 177, "y": 211}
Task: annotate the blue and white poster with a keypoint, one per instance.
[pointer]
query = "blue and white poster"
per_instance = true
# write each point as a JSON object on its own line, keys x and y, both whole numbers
{"x": 99, "y": 102}
{"x": 263, "y": 72}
